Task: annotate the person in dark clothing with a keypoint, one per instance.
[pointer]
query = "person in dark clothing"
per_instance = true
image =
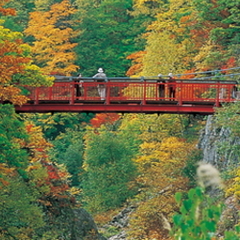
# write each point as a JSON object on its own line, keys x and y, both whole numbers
{"x": 78, "y": 86}
{"x": 171, "y": 86}
{"x": 161, "y": 86}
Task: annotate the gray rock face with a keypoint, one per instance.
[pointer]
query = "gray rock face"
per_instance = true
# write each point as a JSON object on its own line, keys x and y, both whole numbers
{"x": 120, "y": 221}
{"x": 212, "y": 143}
{"x": 121, "y": 236}
{"x": 212, "y": 139}
{"x": 83, "y": 227}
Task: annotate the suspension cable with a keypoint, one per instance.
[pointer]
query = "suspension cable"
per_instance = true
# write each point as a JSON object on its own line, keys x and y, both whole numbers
{"x": 206, "y": 72}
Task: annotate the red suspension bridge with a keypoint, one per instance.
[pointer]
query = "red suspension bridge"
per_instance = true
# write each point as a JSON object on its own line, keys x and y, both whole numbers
{"x": 128, "y": 95}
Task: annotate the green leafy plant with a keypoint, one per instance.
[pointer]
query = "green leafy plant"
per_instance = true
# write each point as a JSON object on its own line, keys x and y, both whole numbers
{"x": 198, "y": 218}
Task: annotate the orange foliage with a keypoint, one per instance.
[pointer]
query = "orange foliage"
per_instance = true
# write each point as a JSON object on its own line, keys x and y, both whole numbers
{"x": 12, "y": 62}
{"x": 6, "y": 11}
{"x": 53, "y": 47}
{"x": 190, "y": 76}
{"x": 137, "y": 66}
{"x": 104, "y": 118}
{"x": 185, "y": 19}
{"x": 12, "y": 94}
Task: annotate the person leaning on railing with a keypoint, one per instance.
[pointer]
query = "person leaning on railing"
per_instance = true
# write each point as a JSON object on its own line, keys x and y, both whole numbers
{"x": 161, "y": 86}
{"x": 171, "y": 86}
{"x": 78, "y": 86}
{"x": 101, "y": 76}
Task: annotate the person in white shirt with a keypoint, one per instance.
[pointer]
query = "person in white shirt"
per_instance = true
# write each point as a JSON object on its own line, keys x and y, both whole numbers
{"x": 100, "y": 77}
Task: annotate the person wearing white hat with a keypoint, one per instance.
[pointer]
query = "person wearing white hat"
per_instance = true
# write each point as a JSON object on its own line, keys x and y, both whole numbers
{"x": 101, "y": 76}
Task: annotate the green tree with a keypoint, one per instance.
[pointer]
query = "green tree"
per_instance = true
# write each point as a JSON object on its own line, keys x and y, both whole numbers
{"x": 21, "y": 216}
{"x": 109, "y": 171}
{"x": 68, "y": 150}
{"x": 107, "y": 36}
{"x": 220, "y": 20}
{"x": 19, "y": 21}
{"x": 55, "y": 124}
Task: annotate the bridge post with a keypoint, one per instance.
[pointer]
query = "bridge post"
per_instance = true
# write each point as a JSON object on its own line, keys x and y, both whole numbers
{"x": 36, "y": 96}
{"x": 144, "y": 90}
{"x": 72, "y": 92}
{"x": 218, "y": 94}
{"x": 107, "y": 91}
{"x": 180, "y": 93}
{"x": 50, "y": 93}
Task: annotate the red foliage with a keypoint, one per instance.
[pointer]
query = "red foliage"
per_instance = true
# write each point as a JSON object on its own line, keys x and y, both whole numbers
{"x": 231, "y": 62}
{"x": 6, "y": 11}
{"x": 29, "y": 127}
{"x": 52, "y": 172}
{"x": 104, "y": 118}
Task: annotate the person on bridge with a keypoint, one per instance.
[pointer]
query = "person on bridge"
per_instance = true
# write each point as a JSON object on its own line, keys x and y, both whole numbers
{"x": 161, "y": 86}
{"x": 171, "y": 86}
{"x": 101, "y": 76}
{"x": 78, "y": 86}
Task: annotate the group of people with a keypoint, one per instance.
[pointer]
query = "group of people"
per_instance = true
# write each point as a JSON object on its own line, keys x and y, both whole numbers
{"x": 101, "y": 76}
{"x": 171, "y": 86}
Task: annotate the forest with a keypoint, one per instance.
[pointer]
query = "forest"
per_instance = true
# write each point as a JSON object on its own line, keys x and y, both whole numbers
{"x": 54, "y": 166}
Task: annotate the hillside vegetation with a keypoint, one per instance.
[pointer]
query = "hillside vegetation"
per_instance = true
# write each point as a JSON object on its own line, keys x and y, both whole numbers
{"x": 52, "y": 165}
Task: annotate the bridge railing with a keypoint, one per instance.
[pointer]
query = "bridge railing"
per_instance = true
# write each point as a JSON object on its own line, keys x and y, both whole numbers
{"x": 135, "y": 90}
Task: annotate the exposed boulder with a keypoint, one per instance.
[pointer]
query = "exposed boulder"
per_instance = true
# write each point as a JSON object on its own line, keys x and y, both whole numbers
{"x": 84, "y": 227}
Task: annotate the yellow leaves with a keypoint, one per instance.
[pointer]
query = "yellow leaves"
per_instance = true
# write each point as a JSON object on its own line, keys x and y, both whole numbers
{"x": 147, "y": 7}
{"x": 62, "y": 9}
{"x": 234, "y": 187}
{"x": 12, "y": 94}
{"x": 74, "y": 191}
{"x": 36, "y": 139}
{"x": 53, "y": 47}
{"x": 5, "y": 170}
{"x": 160, "y": 164}
{"x": 166, "y": 50}
{"x": 34, "y": 76}
{"x": 15, "y": 67}
{"x": 166, "y": 157}
{"x": 7, "y": 34}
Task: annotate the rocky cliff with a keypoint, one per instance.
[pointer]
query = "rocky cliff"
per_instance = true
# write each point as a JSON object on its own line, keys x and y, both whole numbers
{"x": 215, "y": 143}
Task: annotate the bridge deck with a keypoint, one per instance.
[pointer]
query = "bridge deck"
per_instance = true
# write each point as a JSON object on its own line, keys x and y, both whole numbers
{"x": 151, "y": 96}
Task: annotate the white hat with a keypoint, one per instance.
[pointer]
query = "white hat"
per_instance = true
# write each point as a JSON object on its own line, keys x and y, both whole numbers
{"x": 159, "y": 75}
{"x": 100, "y": 70}
{"x": 170, "y": 74}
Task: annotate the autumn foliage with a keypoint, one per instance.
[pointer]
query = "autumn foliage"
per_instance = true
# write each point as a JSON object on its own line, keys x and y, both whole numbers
{"x": 116, "y": 159}
{"x": 55, "y": 178}
{"x": 104, "y": 119}
{"x": 15, "y": 65}
{"x": 53, "y": 46}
